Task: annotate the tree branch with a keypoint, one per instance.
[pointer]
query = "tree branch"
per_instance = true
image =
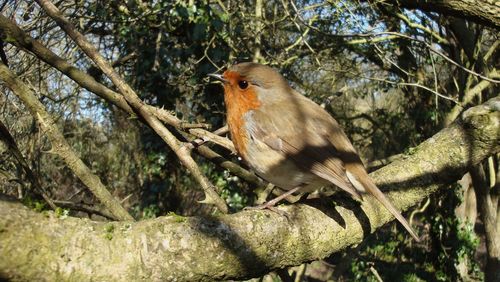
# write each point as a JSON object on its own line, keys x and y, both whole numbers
{"x": 486, "y": 12}
{"x": 469, "y": 96}
{"x": 60, "y": 146}
{"x": 240, "y": 245}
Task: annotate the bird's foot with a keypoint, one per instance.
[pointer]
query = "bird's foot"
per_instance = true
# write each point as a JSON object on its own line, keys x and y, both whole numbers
{"x": 270, "y": 205}
{"x": 267, "y": 206}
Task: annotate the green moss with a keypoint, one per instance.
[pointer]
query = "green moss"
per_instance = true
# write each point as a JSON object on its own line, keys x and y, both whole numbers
{"x": 126, "y": 227}
{"x": 109, "y": 229}
{"x": 61, "y": 213}
{"x": 9, "y": 39}
{"x": 411, "y": 151}
{"x": 34, "y": 204}
{"x": 176, "y": 217}
{"x": 411, "y": 277}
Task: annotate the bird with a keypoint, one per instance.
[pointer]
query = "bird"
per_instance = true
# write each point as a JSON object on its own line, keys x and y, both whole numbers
{"x": 289, "y": 140}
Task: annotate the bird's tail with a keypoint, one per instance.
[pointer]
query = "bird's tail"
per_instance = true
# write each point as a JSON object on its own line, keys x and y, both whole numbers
{"x": 362, "y": 181}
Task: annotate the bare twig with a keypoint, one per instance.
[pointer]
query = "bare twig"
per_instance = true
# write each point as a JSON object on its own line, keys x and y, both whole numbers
{"x": 428, "y": 89}
{"x": 444, "y": 56}
{"x": 375, "y": 273}
{"x": 205, "y": 136}
{"x": 435, "y": 82}
{"x": 392, "y": 35}
{"x": 381, "y": 54}
{"x": 84, "y": 208}
{"x": 425, "y": 29}
{"x": 409, "y": 84}
{"x": 285, "y": 6}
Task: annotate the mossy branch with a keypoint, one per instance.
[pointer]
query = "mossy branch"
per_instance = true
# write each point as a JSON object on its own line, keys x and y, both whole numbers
{"x": 241, "y": 245}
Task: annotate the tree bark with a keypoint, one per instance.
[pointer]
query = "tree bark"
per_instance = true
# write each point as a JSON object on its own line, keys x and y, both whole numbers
{"x": 242, "y": 245}
{"x": 486, "y": 12}
{"x": 488, "y": 215}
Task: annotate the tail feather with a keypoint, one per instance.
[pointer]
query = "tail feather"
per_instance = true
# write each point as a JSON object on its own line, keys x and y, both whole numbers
{"x": 363, "y": 182}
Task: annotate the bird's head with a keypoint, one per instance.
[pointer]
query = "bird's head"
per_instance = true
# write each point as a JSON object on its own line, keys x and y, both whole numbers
{"x": 252, "y": 81}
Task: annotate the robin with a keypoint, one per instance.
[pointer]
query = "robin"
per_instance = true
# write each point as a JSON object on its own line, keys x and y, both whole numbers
{"x": 289, "y": 140}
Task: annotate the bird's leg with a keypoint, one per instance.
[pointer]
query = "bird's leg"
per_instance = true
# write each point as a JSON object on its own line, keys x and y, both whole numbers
{"x": 262, "y": 194}
{"x": 270, "y": 204}
{"x": 293, "y": 199}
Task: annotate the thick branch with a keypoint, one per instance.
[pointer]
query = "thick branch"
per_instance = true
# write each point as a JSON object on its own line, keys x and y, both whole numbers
{"x": 240, "y": 245}
{"x": 486, "y": 12}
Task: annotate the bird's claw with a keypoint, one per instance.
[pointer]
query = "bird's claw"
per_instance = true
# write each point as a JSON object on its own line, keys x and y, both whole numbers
{"x": 268, "y": 207}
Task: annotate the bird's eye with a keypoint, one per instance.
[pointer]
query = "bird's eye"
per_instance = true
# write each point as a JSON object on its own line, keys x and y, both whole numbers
{"x": 243, "y": 84}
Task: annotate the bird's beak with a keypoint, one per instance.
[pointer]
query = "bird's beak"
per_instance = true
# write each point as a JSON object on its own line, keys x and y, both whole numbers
{"x": 219, "y": 77}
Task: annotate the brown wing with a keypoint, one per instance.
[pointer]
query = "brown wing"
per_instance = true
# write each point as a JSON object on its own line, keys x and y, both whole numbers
{"x": 304, "y": 132}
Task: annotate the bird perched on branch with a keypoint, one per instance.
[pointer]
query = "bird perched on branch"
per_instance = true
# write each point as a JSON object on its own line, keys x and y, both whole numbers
{"x": 289, "y": 140}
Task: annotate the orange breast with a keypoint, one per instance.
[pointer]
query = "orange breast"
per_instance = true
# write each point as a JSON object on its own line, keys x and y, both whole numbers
{"x": 238, "y": 103}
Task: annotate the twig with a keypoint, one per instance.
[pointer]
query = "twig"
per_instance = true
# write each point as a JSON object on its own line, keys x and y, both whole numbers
{"x": 301, "y": 271}
{"x": 392, "y": 35}
{"x": 442, "y": 55}
{"x": 439, "y": 38}
{"x": 407, "y": 84}
{"x": 84, "y": 208}
{"x": 299, "y": 29}
{"x": 389, "y": 60}
{"x": 156, "y": 63}
{"x": 375, "y": 273}
{"x": 205, "y": 136}
{"x": 428, "y": 89}
{"x": 421, "y": 210}
{"x": 435, "y": 82}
